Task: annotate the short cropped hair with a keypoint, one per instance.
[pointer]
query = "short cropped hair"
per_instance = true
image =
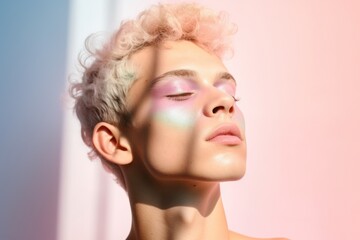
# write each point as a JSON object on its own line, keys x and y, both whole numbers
{"x": 100, "y": 95}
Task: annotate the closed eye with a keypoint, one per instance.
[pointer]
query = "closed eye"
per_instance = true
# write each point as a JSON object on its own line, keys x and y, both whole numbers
{"x": 180, "y": 97}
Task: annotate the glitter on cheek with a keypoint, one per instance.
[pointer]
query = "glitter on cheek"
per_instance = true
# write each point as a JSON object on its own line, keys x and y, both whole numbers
{"x": 178, "y": 117}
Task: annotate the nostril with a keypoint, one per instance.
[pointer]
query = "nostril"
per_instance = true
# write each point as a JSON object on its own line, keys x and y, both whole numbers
{"x": 222, "y": 108}
{"x": 231, "y": 110}
{"x": 216, "y": 109}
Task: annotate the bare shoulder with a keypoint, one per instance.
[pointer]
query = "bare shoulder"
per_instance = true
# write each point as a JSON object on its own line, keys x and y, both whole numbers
{"x": 238, "y": 236}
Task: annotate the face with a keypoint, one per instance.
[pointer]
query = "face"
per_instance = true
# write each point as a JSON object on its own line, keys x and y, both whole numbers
{"x": 186, "y": 125}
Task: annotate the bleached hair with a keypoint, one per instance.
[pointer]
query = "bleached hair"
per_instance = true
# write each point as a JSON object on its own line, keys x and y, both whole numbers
{"x": 100, "y": 96}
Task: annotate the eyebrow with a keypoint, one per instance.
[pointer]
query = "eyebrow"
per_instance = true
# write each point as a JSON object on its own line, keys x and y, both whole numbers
{"x": 191, "y": 74}
{"x": 175, "y": 73}
{"x": 226, "y": 76}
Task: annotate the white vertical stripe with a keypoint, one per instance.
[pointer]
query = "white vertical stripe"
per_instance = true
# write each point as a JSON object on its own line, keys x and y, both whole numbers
{"x": 80, "y": 179}
{"x": 91, "y": 204}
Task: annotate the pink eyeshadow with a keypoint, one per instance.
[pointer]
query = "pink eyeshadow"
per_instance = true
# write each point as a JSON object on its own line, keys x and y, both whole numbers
{"x": 227, "y": 87}
{"x": 170, "y": 86}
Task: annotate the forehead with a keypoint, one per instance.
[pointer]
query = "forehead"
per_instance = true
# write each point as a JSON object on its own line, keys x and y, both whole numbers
{"x": 152, "y": 62}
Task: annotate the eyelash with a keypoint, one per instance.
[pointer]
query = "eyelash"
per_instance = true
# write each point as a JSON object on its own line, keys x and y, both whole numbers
{"x": 236, "y": 99}
{"x": 180, "y": 96}
{"x": 187, "y": 95}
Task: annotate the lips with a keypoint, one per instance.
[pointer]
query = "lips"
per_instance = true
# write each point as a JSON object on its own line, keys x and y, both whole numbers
{"x": 227, "y": 134}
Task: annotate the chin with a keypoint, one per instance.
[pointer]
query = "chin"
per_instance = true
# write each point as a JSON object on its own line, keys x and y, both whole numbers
{"x": 221, "y": 173}
{"x": 233, "y": 176}
{"x": 231, "y": 170}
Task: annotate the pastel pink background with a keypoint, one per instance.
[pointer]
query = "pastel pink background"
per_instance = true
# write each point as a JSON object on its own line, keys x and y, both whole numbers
{"x": 298, "y": 69}
{"x": 297, "y": 65}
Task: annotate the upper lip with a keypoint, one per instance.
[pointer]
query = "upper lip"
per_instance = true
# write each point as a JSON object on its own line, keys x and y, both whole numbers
{"x": 225, "y": 129}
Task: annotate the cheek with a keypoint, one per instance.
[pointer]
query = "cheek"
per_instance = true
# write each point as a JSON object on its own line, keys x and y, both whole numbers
{"x": 169, "y": 136}
{"x": 175, "y": 118}
{"x": 240, "y": 118}
{"x": 172, "y": 115}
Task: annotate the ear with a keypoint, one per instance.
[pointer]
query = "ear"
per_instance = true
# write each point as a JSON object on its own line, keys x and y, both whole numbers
{"x": 111, "y": 144}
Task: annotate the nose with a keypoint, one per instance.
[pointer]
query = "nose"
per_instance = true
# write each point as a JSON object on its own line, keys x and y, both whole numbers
{"x": 219, "y": 103}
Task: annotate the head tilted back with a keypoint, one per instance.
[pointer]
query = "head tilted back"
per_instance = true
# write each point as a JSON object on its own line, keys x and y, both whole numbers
{"x": 101, "y": 94}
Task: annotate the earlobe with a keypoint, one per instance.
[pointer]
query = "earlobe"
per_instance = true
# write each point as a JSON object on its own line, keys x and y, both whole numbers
{"x": 111, "y": 144}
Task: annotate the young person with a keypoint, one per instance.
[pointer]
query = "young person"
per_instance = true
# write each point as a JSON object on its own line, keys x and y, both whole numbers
{"x": 157, "y": 106}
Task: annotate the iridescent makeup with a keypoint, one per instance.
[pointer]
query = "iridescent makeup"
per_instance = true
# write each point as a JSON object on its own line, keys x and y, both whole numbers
{"x": 173, "y": 88}
{"x": 177, "y": 117}
{"x": 173, "y": 95}
{"x": 227, "y": 86}
{"x": 172, "y": 98}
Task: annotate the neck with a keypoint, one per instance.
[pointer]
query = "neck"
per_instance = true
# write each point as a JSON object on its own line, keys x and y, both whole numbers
{"x": 176, "y": 211}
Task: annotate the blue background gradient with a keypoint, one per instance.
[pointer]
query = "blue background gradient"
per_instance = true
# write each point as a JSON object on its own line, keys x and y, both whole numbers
{"x": 33, "y": 51}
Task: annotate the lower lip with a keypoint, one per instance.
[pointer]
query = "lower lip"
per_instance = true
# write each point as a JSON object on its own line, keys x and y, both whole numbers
{"x": 226, "y": 140}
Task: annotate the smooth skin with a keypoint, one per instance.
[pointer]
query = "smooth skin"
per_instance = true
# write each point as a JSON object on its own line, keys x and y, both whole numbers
{"x": 171, "y": 169}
